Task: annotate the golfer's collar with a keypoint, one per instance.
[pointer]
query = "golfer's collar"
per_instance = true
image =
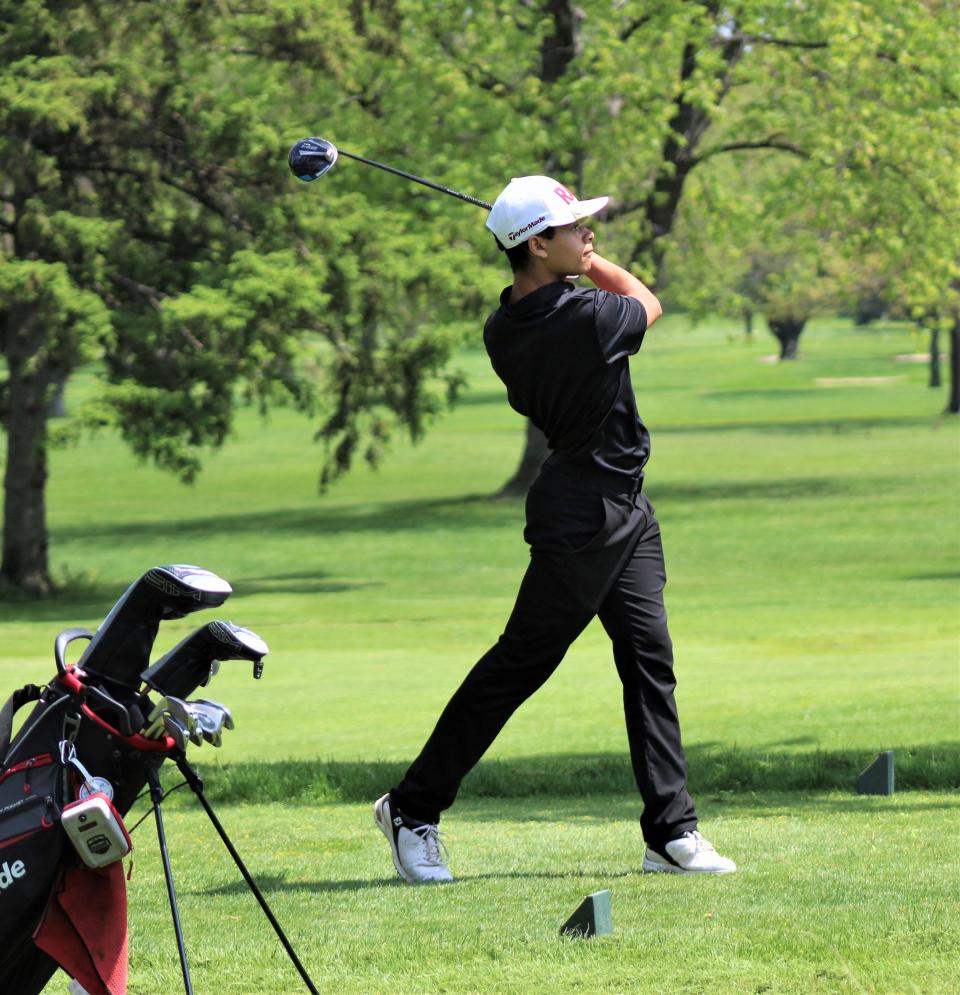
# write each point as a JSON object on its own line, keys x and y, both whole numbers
{"x": 536, "y": 298}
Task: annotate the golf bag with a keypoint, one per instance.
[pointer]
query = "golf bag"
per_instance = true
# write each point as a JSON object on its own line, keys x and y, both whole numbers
{"x": 35, "y": 786}
{"x": 94, "y": 718}
{"x": 33, "y": 791}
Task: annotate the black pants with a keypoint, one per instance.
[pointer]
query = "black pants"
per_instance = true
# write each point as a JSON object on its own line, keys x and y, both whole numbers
{"x": 595, "y": 550}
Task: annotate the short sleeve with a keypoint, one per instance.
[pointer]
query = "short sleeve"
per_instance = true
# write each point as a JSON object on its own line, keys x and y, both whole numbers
{"x": 621, "y": 322}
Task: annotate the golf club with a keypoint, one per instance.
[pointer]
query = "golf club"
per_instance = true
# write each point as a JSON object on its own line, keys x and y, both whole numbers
{"x": 191, "y": 663}
{"x": 179, "y": 733}
{"x": 120, "y": 648}
{"x": 310, "y": 158}
{"x": 212, "y": 718}
{"x": 176, "y": 709}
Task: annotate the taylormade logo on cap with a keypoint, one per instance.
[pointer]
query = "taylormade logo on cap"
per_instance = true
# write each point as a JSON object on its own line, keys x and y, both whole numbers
{"x": 529, "y": 204}
{"x": 513, "y": 235}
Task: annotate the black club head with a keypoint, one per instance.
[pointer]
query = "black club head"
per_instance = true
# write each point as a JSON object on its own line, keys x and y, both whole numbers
{"x": 310, "y": 158}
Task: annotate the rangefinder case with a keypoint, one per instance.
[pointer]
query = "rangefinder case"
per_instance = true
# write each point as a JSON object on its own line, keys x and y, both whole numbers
{"x": 96, "y": 830}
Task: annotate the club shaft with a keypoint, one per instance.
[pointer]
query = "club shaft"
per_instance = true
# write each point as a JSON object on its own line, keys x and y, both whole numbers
{"x": 417, "y": 179}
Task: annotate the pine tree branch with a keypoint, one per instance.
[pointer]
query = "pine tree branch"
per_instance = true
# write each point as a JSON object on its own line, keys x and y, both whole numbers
{"x": 155, "y": 299}
{"x": 200, "y": 196}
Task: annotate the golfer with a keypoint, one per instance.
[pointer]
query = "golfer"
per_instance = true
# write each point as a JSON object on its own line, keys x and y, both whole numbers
{"x": 563, "y": 353}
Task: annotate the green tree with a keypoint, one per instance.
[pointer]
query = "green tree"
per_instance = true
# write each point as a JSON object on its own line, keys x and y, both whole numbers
{"x": 886, "y": 146}
{"x": 148, "y": 220}
{"x": 132, "y": 194}
{"x": 901, "y": 153}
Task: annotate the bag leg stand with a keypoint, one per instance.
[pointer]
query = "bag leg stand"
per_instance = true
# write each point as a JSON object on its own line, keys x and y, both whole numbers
{"x": 156, "y": 795}
{"x": 196, "y": 785}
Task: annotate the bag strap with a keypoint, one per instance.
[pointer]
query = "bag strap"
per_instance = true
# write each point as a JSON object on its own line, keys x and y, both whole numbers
{"x": 14, "y": 703}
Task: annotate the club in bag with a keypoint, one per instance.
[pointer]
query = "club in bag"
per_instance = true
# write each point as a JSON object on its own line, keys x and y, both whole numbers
{"x": 311, "y": 158}
{"x": 190, "y": 663}
{"x": 170, "y": 708}
{"x": 212, "y": 718}
{"x": 120, "y": 648}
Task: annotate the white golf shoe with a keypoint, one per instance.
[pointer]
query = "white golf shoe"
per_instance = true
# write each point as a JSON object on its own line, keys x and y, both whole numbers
{"x": 419, "y": 854}
{"x": 690, "y": 854}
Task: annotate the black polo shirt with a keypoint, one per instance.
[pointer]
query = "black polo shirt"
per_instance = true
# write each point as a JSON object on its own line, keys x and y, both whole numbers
{"x": 562, "y": 352}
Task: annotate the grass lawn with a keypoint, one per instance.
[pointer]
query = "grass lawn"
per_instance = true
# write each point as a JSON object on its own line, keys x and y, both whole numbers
{"x": 832, "y": 906}
{"x": 811, "y": 529}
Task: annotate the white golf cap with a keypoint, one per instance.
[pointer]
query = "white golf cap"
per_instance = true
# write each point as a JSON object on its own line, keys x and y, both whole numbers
{"x": 528, "y": 204}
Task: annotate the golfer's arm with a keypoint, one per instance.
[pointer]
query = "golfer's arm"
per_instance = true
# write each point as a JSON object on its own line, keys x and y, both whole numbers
{"x": 609, "y": 276}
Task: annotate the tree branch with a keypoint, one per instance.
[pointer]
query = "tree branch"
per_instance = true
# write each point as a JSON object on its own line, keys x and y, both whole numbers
{"x": 155, "y": 298}
{"x": 920, "y": 71}
{"x": 619, "y": 210}
{"x": 198, "y": 195}
{"x": 767, "y": 143}
{"x": 637, "y": 22}
{"x": 782, "y": 42}
{"x": 475, "y": 74}
{"x": 152, "y": 294}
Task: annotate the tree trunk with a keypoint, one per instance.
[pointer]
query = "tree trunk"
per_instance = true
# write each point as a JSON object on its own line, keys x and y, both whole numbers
{"x": 953, "y": 405}
{"x": 535, "y": 451}
{"x": 870, "y": 307}
{"x": 24, "y": 565}
{"x": 748, "y": 322}
{"x": 688, "y": 124}
{"x": 57, "y": 408}
{"x": 787, "y": 331}
{"x": 935, "y": 379}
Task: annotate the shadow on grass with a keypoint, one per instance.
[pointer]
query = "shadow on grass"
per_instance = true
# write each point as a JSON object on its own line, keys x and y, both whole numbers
{"x": 467, "y": 513}
{"x": 279, "y": 883}
{"x": 787, "y": 488}
{"x": 809, "y": 426}
{"x": 475, "y": 398}
{"x": 722, "y": 773}
{"x": 471, "y": 511}
{"x": 84, "y": 596}
{"x": 81, "y": 598}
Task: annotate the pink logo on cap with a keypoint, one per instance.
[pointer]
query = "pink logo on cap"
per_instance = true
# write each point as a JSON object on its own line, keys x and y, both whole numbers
{"x": 564, "y": 194}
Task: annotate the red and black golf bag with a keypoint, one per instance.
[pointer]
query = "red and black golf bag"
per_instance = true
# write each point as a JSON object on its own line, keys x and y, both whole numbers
{"x": 94, "y": 718}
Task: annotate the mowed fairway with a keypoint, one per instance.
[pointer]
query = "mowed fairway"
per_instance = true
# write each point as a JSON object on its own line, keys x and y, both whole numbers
{"x": 811, "y": 529}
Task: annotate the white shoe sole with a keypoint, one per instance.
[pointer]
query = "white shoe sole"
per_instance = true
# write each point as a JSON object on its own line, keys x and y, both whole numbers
{"x": 654, "y": 867}
{"x": 381, "y": 813}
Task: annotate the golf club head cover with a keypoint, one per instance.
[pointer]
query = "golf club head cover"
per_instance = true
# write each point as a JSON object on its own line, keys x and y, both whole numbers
{"x": 188, "y": 665}
{"x": 120, "y": 648}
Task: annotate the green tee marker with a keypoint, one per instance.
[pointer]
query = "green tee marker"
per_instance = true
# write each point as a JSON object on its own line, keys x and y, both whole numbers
{"x": 593, "y": 917}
